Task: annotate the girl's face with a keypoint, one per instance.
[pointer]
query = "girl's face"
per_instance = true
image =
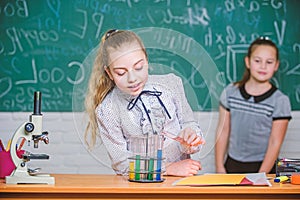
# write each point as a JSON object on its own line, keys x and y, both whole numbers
{"x": 262, "y": 63}
{"x": 128, "y": 68}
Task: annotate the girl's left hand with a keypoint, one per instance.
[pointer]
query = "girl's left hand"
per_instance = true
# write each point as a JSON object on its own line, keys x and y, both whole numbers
{"x": 189, "y": 137}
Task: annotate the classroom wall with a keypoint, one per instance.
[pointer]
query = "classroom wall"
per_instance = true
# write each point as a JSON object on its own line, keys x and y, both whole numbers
{"x": 69, "y": 155}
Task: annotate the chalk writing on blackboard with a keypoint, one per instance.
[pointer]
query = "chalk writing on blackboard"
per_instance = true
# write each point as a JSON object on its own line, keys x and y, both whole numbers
{"x": 44, "y": 44}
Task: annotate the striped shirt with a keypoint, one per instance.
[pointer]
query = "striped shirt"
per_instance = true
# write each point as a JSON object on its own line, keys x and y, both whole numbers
{"x": 251, "y": 120}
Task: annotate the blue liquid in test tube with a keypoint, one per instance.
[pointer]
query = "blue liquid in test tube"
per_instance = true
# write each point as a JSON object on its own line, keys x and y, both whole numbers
{"x": 158, "y": 164}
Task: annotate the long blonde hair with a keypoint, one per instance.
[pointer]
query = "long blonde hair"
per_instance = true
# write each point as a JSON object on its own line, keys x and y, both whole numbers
{"x": 100, "y": 84}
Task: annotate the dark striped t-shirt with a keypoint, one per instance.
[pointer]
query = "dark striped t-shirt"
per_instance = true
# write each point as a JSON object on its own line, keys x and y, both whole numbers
{"x": 251, "y": 120}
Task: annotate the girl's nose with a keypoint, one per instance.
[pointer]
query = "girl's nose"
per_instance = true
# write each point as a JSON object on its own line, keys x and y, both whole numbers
{"x": 263, "y": 65}
{"x": 131, "y": 76}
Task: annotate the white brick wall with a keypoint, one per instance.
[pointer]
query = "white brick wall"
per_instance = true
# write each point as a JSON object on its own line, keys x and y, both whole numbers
{"x": 69, "y": 155}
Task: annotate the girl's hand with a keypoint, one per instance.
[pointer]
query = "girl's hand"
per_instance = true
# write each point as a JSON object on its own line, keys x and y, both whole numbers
{"x": 187, "y": 167}
{"x": 190, "y": 138}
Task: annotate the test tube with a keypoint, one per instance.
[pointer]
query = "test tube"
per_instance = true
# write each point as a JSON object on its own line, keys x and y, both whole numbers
{"x": 148, "y": 151}
{"x": 159, "y": 143}
{"x": 150, "y": 169}
{"x": 152, "y": 150}
{"x": 131, "y": 170}
{"x": 137, "y": 167}
{"x": 158, "y": 164}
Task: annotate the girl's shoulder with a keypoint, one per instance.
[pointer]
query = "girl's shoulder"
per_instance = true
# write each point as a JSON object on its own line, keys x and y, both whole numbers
{"x": 165, "y": 81}
{"x": 106, "y": 103}
{"x": 163, "y": 78}
{"x": 110, "y": 102}
{"x": 278, "y": 94}
{"x": 231, "y": 88}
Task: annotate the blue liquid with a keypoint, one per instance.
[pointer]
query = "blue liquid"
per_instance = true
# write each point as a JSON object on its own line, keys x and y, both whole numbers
{"x": 158, "y": 164}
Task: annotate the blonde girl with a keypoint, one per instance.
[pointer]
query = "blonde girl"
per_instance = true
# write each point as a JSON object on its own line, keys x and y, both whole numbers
{"x": 124, "y": 101}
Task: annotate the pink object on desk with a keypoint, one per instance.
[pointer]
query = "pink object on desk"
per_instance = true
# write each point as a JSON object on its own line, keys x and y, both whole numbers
{"x": 6, "y": 164}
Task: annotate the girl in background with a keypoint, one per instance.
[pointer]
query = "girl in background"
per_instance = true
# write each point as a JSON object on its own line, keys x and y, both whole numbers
{"x": 123, "y": 101}
{"x": 253, "y": 115}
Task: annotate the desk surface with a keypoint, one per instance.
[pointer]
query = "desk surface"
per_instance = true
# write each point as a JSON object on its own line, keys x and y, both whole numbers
{"x": 77, "y": 186}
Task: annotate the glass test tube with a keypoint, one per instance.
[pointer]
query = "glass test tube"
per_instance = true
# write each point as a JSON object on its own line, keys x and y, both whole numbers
{"x": 137, "y": 167}
{"x": 151, "y": 154}
{"x": 159, "y": 143}
{"x": 131, "y": 170}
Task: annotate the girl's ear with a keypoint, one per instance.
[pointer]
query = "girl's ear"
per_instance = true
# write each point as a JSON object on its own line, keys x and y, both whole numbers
{"x": 277, "y": 65}
{"x": 247, "y": 62}
{"x": 108, "y": 73}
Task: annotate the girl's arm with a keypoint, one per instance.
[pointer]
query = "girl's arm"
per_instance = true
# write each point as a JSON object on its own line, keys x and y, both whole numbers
{"x": 112, "y": 137}
{"x": 222, "y": 138}
{"x": 183, "y": 110}
{"x": 190, "y": 132}
{"x": 278, "y": 132}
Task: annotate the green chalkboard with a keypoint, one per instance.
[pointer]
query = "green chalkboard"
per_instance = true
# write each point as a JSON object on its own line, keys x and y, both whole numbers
{"x": 49, "y": 45}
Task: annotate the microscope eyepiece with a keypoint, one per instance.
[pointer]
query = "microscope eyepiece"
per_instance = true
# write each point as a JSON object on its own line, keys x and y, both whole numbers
{"x": 37, "y": 103}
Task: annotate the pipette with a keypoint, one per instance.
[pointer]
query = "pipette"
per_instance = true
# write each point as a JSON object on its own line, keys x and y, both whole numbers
{"x": 179, "y": 139}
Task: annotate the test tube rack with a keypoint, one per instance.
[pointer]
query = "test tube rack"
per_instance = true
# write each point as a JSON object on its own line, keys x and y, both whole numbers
{"x": 146, "y": 162}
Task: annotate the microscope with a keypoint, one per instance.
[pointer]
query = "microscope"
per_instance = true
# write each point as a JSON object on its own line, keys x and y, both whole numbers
{"x": 31, "y": 130}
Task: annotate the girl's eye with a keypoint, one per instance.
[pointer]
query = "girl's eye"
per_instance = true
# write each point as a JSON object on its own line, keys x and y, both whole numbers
{"x": 120, "y": 72}
{"x": 139, "y": 67}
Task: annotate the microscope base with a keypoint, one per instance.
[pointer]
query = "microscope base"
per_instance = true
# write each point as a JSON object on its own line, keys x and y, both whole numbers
{"x": 35, "y": 179}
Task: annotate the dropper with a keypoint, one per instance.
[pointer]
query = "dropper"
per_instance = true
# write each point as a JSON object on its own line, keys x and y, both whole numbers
{"x": 179, "y": 139}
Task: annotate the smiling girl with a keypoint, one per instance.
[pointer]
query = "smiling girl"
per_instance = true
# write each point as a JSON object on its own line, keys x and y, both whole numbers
{"x": 124, "y": 101}
{"x": 253, "y": 115}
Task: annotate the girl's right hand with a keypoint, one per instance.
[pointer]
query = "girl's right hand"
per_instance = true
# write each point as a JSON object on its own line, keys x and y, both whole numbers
{"x": 187, "y": 167}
